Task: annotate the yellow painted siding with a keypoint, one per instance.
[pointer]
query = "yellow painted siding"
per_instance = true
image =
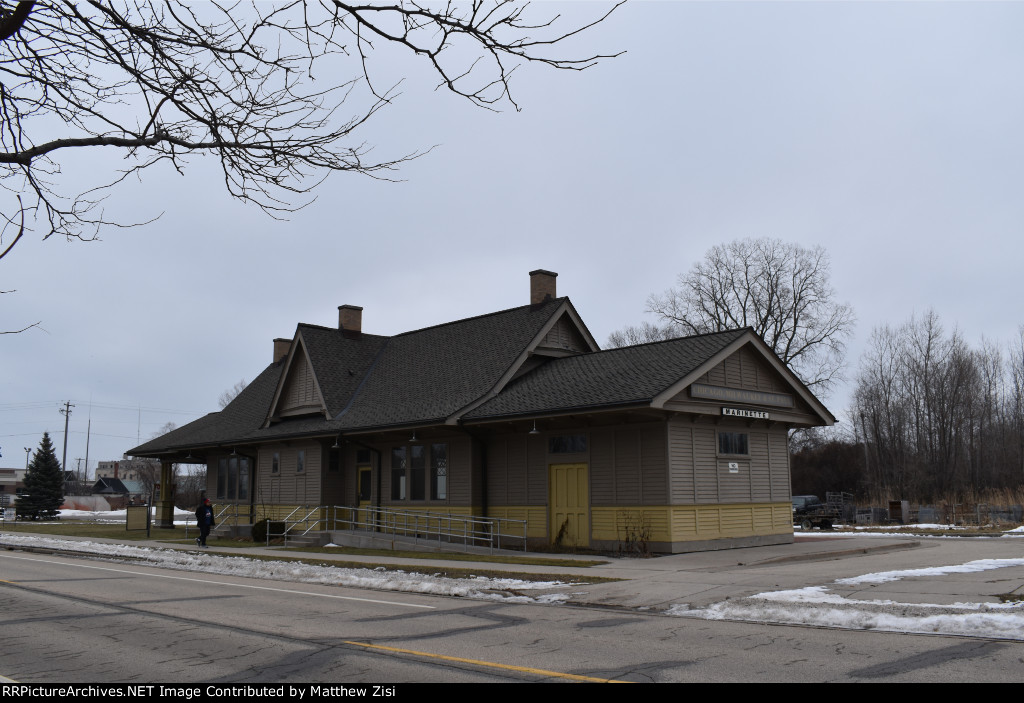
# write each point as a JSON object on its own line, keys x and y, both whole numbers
{"x": 680, "y": 523}
{"x": 625, "y": 524}
{"x": 536, "y": 517}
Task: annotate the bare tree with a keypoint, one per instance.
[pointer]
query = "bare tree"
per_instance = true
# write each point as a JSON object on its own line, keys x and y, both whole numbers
{"x": 941, "y": 420}
{"x": 164, "y": 81}
{"x": 779, "y": 289}
{"x": 642, "y": 334}
{"x": 231, "y": 393}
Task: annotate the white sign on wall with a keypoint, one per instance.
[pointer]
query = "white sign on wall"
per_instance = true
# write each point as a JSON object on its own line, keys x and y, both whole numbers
{"x": 739, "y": 412}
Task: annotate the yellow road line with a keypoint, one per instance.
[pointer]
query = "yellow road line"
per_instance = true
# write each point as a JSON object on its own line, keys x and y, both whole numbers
{"x": 495, "y": 665}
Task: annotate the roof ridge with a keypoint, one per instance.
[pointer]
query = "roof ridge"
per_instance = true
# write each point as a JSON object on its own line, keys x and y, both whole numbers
{"x": 676, "y": 339}
{"x": 323, "y": 328}
{"x": 480, "y": 317}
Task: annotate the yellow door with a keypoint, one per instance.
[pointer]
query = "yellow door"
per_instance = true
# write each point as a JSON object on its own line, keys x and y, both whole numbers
{"x": 365, "y": 474}
{"x": 569, "y": 505}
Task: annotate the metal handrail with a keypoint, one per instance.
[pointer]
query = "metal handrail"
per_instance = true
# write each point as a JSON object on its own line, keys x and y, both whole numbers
{"x": 289, "y": 524}
{"x": 233, "y": 508}
{"x": 420, "y": 524}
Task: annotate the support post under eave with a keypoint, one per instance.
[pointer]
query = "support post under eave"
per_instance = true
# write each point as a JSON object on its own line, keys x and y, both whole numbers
{"x": 165, "y": 505}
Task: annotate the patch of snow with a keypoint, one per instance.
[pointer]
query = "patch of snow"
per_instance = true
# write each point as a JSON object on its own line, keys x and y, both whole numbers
{"x": 505, "y": 589}
{"x": 969, "y": 567}
{"x": 816, "y": 605}
{"x": 1008, "y": 625}
{"x": 115, "y": 516}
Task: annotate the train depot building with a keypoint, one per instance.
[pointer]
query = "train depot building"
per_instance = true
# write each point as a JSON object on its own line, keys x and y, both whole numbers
{"x": 514, "y": 415}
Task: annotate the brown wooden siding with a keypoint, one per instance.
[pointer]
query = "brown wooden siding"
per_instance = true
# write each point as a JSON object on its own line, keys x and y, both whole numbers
{"x": 778, "y": 445}
{"x": 626, "y": 455}
{"x": 682, "y": 485}
{"x": 564, "y": 335}
{"x": 654, "y": 465}
{"x": 460, "y": 471}
{"x": 516, "y": 470}
{"x": 602, "y": 468}
{"x": 699, "y": 475}
{"x": 745, "y": 369}
{"x": 518, "y": 473}
{"x": 629, "y": 466}
{"x": 288, "y": 486}
{"x": 537, "y": 470}
{"x": 497, "y": 471}
{"x": 299, "y": 391}
{"x": 705, "y": 464}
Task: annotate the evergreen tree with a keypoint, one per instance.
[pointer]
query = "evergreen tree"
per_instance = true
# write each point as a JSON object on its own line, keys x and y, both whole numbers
{"x": 44, "y": 483}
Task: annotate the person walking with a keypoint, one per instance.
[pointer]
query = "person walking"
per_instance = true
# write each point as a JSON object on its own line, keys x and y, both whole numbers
{"x": 204, "y": 518}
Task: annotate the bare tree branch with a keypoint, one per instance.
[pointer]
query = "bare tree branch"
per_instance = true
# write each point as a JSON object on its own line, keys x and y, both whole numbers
{"x": 11, "y": 22}
{"x": 780, "y": 290}
{"x": 165, "y": 81}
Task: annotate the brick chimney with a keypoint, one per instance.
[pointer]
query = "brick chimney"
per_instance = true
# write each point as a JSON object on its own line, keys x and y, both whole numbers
{"x": 281, "y": 348}
{"x": 542, "y": 286}
{"x": 350, "y": 318}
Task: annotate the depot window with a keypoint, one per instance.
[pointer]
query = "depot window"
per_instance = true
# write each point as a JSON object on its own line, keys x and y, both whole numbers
{"x": 412, "y": 466}
{"x": 734, "y": 443}
{"x": 233, "y": 478}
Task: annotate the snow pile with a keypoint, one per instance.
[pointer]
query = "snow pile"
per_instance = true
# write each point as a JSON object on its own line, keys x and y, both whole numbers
{"x": 505, "y": 589}
{"x": 815, "y": 605}
{"x": 107, "y": 516}
{"x": 968, "y": 568}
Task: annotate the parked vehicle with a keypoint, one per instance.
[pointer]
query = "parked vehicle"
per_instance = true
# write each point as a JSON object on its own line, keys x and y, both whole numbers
{"x": 809, "y": 512}
{"x": 804, "y": 504}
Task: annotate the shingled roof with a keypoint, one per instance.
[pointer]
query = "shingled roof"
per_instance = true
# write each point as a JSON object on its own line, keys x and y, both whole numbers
{"x": 374, "y": 382}
{"x": 458, "y": 372}
{"x": 624, "y": 376}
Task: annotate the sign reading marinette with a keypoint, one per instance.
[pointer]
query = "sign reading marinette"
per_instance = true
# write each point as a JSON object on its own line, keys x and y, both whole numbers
{"x": 739, "y": 395}
{"x": 739, "y": 412}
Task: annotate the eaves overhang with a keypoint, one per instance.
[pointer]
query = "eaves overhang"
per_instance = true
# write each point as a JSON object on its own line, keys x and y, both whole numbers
{"x": 641, "y": 404}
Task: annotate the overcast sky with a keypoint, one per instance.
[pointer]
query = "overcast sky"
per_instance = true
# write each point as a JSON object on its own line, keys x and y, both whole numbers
{"x": 889, "y": 133}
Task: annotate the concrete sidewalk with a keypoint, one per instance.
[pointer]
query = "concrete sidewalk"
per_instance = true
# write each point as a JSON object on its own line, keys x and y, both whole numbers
{"x": 701, "y": 579}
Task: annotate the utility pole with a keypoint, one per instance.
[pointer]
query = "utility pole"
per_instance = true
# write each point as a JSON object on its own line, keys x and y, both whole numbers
{"x": 88, "y": 434}
{"x": 66, "y": 412}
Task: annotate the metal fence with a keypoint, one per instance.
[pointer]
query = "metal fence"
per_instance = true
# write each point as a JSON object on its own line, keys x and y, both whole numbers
{"x": 976, "y": 514}
{"x": 421, "y": 526}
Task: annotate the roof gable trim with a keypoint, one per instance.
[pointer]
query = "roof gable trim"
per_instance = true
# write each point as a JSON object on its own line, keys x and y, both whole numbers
{"x": 769, "y": 356}
{"x": 564, "y": 308}
{"x": 298, "y": 348}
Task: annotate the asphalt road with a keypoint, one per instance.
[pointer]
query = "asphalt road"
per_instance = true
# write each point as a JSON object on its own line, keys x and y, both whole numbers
{"x": 77, "y": 620}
